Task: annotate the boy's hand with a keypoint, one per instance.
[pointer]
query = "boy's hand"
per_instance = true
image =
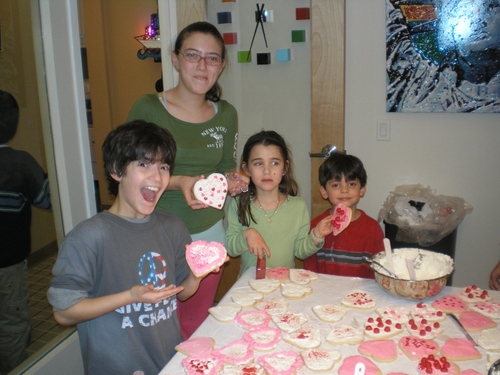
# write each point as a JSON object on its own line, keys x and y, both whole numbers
{"x": 148, "y": 294}
{"x": 256, "y": 244}
{"x": 324, "y": 227}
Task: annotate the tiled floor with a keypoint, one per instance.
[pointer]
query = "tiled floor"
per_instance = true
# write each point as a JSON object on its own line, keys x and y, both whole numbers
{"x": 44, "y": 327}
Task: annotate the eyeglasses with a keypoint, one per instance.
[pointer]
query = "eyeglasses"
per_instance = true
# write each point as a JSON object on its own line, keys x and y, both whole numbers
{"x": 193, "y": 57}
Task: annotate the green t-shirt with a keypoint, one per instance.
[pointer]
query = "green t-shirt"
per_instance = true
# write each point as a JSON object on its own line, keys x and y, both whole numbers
{"x": 202, "y": 149}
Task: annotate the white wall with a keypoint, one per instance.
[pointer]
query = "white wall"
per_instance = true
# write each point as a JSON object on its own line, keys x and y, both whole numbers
{"x": 456, "y": 154}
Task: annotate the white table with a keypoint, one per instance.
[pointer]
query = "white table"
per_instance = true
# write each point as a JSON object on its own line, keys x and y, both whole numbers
{"x": 332, "y": 289}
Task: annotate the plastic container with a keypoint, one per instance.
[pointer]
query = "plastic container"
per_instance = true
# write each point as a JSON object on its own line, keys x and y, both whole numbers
{"x": 260, "y": 271}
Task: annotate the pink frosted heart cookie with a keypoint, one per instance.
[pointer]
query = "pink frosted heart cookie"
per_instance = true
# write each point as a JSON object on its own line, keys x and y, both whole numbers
{"x": 247, "y": 369}
{"x": 302, "y": 277}
{"x": 416, "y": 348}
{"x": 423, "y": 311}
{"x": 489, "y": 309}
{"x": 349, "y": 365}
{"x": 379, "y": 328}
{"x": 469, "y": 372}
{"x": 211, "y": 190}
{"x": 263, "y": 338}
{"x": 237, "y": 352}
{"x": 330, "y": 313}
{"x": 304, "y": 338}
{"x": 473, "y": 294}
{"x": 359, "y": 300}
{"x": 475, "y": 322}
{"x": 289, "y": 321}
{"x": 281, "y": 363}
{"x": 206, "y": 365}
{"x": 423, "y": 328}
{"x": 341, "y": 218}
{"x": 379, "y": 350}
{"x": 204, "y": 257}
{"x": 252, "y": 320}
{"x": 196, "y": 346}
{"x": 450, "y": 304}
{"x": 435, "y": 365}
{"x": 273, "y": 306}
{"x": 344, "y": 334}
{"x": 320, "y": 359}
{"x": 278, "y": 273}
{"x": 459, "y": 349}
{"x": 396, "y": 313}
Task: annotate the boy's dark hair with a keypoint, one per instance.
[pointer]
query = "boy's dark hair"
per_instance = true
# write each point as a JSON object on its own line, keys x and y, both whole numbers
{"x": 9, "y": 116}
{"x": 215, "y": 92}
{"x": 136, "y": 140}
{"x": 287, "y": 186}
{"x": 339, "y": 165}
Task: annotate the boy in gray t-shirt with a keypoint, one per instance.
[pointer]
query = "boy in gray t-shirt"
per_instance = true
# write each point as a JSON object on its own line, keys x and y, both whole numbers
{"x": 118, "y": 274}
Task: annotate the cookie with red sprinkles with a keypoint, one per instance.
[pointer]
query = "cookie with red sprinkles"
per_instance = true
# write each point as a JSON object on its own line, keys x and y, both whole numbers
{"x": 436, "y": 365}
{"x": 380, "y": 328}
{"x": 472, "y": 293}
{"x": 359, "y": 300}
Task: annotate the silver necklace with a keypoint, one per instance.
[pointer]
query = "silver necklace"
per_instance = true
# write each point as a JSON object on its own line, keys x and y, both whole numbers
{"x": 268, "y": 218}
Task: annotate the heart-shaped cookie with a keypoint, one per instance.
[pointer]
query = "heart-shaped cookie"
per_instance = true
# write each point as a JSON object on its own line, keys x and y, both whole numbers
{"x": 254, "y": 319}
{"x": 289, "y": 321}
{"x": 304, "y": 338}
{"x": 273, "y": 306}
{"x": 282, "y": 363}
{"x": 295, "y": 291}
{"x": 196, "y": 346}
{"x": 416, "y": 348}
{"x": 423, "y": 328}
{"x": 203, "y": 257}
{"x": 246, "y": 298}
{"x": 206, "y": 365}
{"x": 473, "y": 294}
{"x": 424, "y": 311}
{"x": 211, "y": 190}
{"x": 380, "y": 328}
{"x": 320, "y": 359}
{"x": 341, "y": 218}
{"x": 330, "y": 313}
{"x": 460, "y": 349}
{"x": 379, "y": 350}
{"x": 238, "y": 352}
{"x": 359, "y": 300}
{"x": 349, "y": 365}
{"x": 450, "y": 304}
{"x": 302, "y": 276}
{"x": 225, "y": 312}
{"x": 264, "y": 338}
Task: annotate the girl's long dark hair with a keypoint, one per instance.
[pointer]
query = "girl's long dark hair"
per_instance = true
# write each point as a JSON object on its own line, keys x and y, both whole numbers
{"x": 215, "y": 92}
{"x": 287, "y": 186}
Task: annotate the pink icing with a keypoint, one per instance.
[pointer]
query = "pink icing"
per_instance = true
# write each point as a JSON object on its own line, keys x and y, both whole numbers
{"x": 206, "y": 365}
{"x": 204, "y": 257}
{"x": 237, "y": 352}
{"x": 281, "y": 363}
{"x": 470, "y": 372}
{"x": 474, "y": 321}
{"x": 415, "y": 347}
{"x": 196, "y": 346}
{"x": 450, "y": 304}
{"x": 490, "y": 309}
{"x": 278, "y": 273}
{"x": 460, "y": 349}
{"x": 380, "y": 350}
{"x": 348, "y": 366}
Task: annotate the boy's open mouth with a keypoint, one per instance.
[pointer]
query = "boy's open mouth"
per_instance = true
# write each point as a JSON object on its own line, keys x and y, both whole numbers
{"x": 149, "y": 193}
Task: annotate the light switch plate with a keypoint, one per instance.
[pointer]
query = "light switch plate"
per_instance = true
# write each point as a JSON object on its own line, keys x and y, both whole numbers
{"x": 384, "y": 130}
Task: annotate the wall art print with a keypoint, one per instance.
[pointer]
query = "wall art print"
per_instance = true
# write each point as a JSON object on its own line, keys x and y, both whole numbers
{"x": 443, "y": 55}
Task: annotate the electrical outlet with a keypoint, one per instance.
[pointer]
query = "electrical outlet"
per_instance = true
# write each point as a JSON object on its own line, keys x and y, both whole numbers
{"x": 384, "y": 130}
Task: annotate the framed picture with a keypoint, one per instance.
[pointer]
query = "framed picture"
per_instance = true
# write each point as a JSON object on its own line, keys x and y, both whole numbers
{"x": 443, "y": 56}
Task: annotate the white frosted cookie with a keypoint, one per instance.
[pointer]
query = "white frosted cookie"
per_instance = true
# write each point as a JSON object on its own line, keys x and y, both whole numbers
{"x": 490, "y": 309}
{"x": 379, "y": 328}
{"x": 211, "y": 190}
{"x": 263, "y": 338}
{"x": 492, "y": 358}
{"x": 304, "y": 338}
{"x": 320, "y": 359}
{"x": 344, "y": 334}
{"x": 423, "y": 328}
{"x": 289, "y": 321}
{"x": 225, "y": 312}
{"x": 264, "y": 286}
{"x": 247, "y": 369}
{"x": 423, "y": 311}
{"x": 273, "y": 306}
{"x": 359, "y": 300}
{"x": 490, "y": 339}
{"x": 472, "y": 293}
{"x": 330, "y": 313}
{"x": 237, "y": 352}
{"x": 281, "y": 363}
{"x": 246, "y": 298}
{"x": 397, "y": 313}
{"x": 253, "y": 319}
{"x": 295, "y": 291}
{"x": 302, "y": 277}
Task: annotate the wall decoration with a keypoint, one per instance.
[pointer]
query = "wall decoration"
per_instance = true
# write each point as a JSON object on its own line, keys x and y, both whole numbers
{"x": 443, "y": 56}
